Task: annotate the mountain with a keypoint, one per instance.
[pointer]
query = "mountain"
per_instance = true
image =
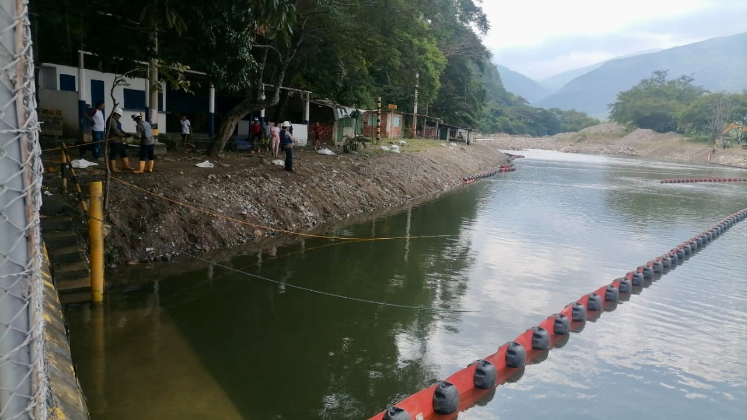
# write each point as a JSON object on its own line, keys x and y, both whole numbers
{"x": 518, "y": 84}
{"x": 556, "y": 82}
{"x": 716, "y": 64}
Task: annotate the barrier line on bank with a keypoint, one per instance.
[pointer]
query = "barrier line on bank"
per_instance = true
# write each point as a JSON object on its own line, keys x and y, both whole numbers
{"x": 503, "y": 169}
{"x": 466, "y": 387}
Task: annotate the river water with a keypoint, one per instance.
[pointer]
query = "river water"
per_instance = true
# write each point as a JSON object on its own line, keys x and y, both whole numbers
{"x": 211, "y": 343}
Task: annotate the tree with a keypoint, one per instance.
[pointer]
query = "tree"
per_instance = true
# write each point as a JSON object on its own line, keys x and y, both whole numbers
{"x": 655, "y": 103}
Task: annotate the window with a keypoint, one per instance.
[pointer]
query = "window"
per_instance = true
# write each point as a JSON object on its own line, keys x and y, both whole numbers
{"x": 395, "y": 122}
{"x": 67, "y": 82}
{"x": 134, "y": 99}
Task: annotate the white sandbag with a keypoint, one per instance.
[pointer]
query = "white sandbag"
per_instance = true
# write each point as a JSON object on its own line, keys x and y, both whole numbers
{"x": 385, "y": 148}
{"x": 402, "y": 142}
{"x": 278, "y": 162}
{"x": 82, "y": 164}
{"x": 325, "y": 151}
{"x": 394, "y": 148}
{"x": 205, "y": 164}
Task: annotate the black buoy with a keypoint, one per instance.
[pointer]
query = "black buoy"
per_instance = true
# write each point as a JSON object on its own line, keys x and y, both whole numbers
{"x": 658, "y": 267}
{"x": 485, "y": 375}
{"x": 611, "y": 294}
{"x": 540, "y": 339}
{"x": 595, "y": 302}
{"x": 625, "y": 286}
{"x": 666, "y": 262}
{"x": 396, "y": 413}
{"x": 647, "y": 272}
{"x": 562, "y": 325}
{"x": 680, "y": 254}
{"x": 687, "y": 249}
{"x": 445, "y": 398}
{"x": 578, "y": 312}
{"x": 516, "y": 356}
{"x": 637, "y": 279}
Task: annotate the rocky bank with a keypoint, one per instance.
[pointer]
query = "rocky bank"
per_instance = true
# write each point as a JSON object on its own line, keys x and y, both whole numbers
{"x": 249, "y": 188}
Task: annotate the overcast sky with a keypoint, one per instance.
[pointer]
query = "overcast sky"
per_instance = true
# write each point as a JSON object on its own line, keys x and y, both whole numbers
{"x": 540, "y": 38}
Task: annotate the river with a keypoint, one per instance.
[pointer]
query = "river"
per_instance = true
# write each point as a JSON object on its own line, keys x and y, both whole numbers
{"x": 212, "y": 343}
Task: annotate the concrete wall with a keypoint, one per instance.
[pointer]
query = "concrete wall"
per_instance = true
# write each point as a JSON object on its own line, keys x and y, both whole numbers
{"x": 49, "y": 78}
{"x": 65, "y": 399}
{"x": 68, "y": 103}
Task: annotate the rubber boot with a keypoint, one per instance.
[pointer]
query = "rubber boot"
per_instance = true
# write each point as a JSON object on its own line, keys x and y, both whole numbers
{"x": 151, "y": 163}
{"x": 140, "y": 167}
{"x": 113, "y": 166}
{"x": 126, "y": 165}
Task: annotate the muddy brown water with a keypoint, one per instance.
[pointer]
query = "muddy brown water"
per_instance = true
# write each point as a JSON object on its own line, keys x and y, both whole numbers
{"x": 215, "y": 344}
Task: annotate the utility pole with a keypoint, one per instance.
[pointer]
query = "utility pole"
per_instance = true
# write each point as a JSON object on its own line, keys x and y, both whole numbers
{"x": 415, "y": 108}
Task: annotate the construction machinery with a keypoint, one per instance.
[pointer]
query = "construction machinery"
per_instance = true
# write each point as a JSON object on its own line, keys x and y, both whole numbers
{"x": 741, "y": 132}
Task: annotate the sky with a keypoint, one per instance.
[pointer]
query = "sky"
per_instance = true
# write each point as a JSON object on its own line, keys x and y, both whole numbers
{"x": 541, "y": 38}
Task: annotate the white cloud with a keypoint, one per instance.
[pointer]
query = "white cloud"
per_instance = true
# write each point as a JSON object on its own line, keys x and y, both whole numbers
{"x": 540, "y": 38}
{"x": 532, "y": 22}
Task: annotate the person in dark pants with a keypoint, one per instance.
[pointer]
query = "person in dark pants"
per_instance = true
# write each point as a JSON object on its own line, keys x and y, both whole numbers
{"x": 286, "y": 143}
{"x": 147, "y": 144}
{"x": 116, "y": 146}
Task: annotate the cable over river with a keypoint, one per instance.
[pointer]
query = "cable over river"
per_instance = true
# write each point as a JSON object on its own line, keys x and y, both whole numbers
{"x": 211, "y": 342}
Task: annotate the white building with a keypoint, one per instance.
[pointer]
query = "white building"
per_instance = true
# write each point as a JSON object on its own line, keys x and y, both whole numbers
{"x": 60, "y": 87}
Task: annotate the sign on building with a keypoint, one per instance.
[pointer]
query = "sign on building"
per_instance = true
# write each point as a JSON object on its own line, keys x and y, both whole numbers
{"x": 51, "y": 121}
{"x": 392, "y": 106}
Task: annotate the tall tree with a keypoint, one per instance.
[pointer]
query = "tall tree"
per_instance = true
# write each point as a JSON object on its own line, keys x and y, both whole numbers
{"x": 655, "y": 103}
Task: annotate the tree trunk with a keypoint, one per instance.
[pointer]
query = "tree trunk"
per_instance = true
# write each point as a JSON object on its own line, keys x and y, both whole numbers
{"x": 229, "y": 123}
{"x": 280, "y": 109}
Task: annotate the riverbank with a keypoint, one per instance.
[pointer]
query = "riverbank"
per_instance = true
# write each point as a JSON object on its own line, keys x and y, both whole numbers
{"x": 264, "y": 201}
{"x": 613, "y": 140}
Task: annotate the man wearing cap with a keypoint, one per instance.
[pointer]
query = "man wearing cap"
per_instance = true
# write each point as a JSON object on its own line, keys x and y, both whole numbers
{"x": 147, "y": 144}
{"x": 286, "y": 143}
{"x": 116, "y": 147}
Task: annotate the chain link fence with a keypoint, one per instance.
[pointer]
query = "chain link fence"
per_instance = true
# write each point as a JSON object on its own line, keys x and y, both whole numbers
{"x": 23, "y": 382}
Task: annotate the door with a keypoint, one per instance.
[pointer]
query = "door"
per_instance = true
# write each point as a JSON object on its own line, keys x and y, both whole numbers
{"x": 97, "y": 92}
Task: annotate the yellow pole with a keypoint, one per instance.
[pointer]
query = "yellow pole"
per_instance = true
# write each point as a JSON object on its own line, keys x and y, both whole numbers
{"x": 96, "y": 238}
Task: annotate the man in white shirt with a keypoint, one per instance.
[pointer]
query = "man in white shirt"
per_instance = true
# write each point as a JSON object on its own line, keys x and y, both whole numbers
{"x": 98, "y": 119}
{"x": 186, "y": 129}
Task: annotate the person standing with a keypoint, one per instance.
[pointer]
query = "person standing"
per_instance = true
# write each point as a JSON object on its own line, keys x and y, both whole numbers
{"x": 97, "y": 131}
{"x": 267, "y": 135}
{"x": 147, "y": 144}
{"x": 318, "y": 131}
{"x": 286, "y": 142}
{"x": 116, "y": 145}
{"x": 256, "y": 132}
{"x": 186, "y": 129}
{"x": 86, "y": 127}
{"x": 275, "y": 141}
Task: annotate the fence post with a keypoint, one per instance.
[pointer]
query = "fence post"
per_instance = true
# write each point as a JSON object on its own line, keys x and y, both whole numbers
{"x": 96, "y": 238}
{"x": 23, "y": 384}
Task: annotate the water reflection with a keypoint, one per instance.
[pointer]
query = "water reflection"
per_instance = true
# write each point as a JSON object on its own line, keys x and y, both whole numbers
{"x": 212, "y": 343}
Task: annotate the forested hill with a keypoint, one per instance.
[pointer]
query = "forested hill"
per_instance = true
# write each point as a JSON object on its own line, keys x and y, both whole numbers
{"x": 521, "y": 85}
{"x": 716, "y": 64}
{"x": 350, "y": 52}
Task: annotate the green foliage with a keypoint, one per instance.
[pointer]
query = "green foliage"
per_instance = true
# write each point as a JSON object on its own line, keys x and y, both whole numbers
{"x": 655, "y": 103}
